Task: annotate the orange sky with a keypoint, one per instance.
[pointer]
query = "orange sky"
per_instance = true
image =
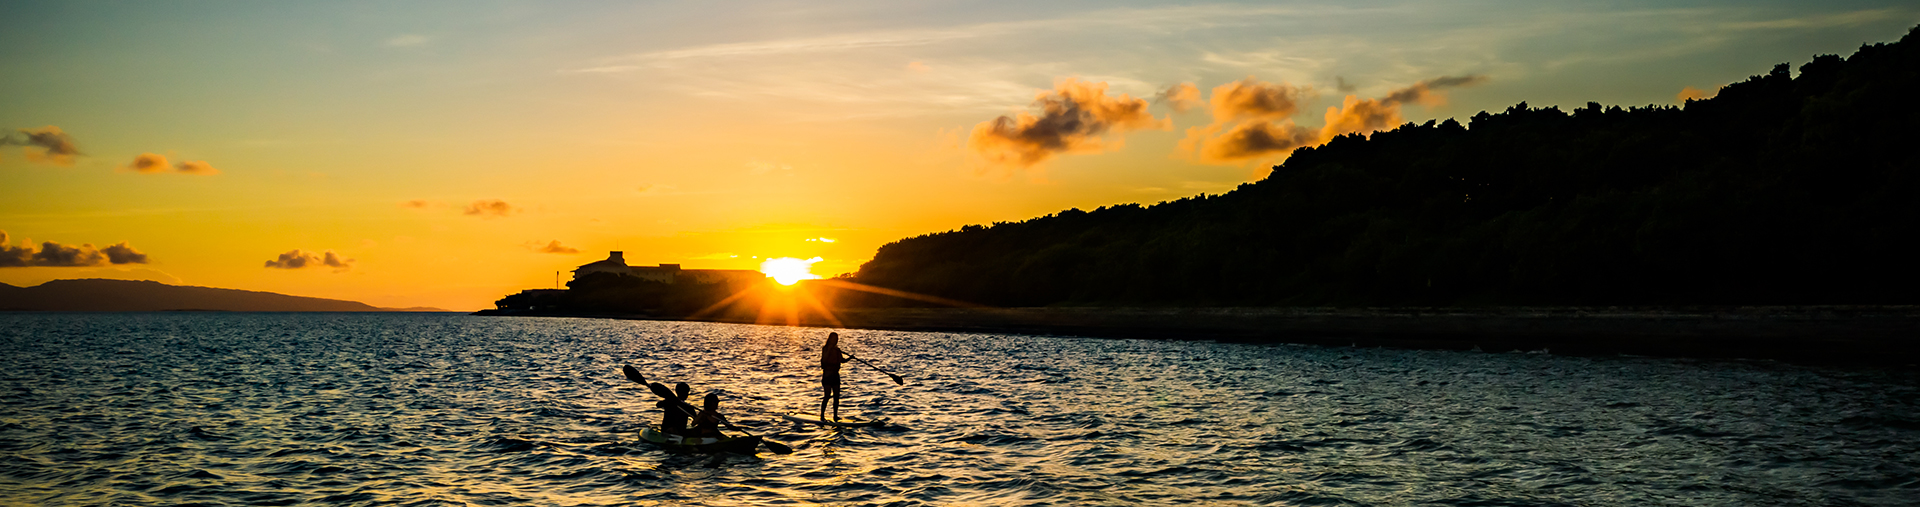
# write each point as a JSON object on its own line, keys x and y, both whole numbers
{"x": 439, "y": 151}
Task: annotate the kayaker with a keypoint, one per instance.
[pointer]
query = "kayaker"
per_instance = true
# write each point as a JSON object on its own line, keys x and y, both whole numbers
{"x": 675, "y": 420}
{"x": 707, "y": 424}
{"x": 830, "y": 359}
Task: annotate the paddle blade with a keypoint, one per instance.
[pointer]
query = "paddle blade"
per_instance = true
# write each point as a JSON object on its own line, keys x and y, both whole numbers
{"x": 897, "y": 379}
{"x": 633, "y": 375}
{"x": 661, "y": 390}
{"x": 776, "y": 447}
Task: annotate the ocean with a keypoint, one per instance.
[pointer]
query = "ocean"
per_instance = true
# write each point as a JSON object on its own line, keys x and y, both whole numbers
{"x": 204, "y": 408}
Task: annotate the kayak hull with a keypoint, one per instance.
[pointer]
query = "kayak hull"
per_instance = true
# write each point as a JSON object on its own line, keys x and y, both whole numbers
{"x": 844, "y": 423}
{"x": 736, "y": 445}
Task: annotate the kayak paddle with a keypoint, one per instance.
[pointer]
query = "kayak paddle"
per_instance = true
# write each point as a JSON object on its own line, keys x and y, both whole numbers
{"x": 662, "y": 391}
{"x": 896, "y": 378}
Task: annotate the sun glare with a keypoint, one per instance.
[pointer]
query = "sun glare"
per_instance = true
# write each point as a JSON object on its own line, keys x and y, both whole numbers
{"x": 788, "y": 270}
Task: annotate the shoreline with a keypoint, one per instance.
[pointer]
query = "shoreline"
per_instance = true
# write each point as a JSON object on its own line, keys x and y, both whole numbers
{"x": 1841, "y": 335}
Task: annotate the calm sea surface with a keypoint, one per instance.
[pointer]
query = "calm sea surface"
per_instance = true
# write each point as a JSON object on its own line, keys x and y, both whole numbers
{"x": 441, "y": 409}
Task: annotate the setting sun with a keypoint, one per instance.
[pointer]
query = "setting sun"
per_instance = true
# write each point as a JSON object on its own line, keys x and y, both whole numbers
{"x": 789, "y": 270}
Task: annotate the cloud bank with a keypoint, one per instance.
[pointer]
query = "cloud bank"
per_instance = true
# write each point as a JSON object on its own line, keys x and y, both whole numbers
{"x": 298, "y": 259}
{"x": 1074, "y": 117}
{"x": 52, "y": 254}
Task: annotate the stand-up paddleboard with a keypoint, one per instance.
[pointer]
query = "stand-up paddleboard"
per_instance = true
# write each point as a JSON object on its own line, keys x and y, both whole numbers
{"x": 849, "y": 422}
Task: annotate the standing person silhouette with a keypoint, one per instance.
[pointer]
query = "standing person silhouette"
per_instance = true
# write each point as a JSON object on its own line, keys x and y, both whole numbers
{"x": 830, "y": 359}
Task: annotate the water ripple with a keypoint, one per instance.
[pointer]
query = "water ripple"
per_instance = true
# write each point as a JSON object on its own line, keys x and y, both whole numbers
{"x": 434, "y": 409}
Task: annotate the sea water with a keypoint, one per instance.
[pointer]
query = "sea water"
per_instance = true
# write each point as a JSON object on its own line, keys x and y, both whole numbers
{"x": 448, "y": 409}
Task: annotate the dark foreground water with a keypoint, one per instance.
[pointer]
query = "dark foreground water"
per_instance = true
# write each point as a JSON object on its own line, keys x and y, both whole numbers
{"x": 436, "y": 409}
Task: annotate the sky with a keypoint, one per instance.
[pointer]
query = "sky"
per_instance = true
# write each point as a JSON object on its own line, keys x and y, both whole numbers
{"x": 447, "y": 154}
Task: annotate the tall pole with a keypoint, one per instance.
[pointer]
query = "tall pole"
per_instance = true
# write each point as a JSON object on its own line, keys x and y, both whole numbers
{"x": 556, "y": 280}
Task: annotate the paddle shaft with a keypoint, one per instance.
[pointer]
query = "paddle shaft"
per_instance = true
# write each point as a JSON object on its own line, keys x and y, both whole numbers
{"x": 896, "y": 378}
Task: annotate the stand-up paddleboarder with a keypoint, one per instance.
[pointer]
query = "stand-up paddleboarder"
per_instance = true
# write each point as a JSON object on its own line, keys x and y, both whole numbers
{"x": 830, "y": 359}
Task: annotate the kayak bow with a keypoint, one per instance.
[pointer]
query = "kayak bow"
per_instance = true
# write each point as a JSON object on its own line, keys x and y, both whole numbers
{"x": 671, "y": 442}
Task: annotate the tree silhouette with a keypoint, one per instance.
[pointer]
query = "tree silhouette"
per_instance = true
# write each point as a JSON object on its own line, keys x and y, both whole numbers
{"x": 1779, "y": 190}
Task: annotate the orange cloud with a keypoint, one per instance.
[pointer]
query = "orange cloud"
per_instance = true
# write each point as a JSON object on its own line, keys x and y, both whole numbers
{"x": 490, "y": 208}
{"x": 54, "y": 145}
{"x": 1356, "y": 115}
{"x": 418, "y": 204}
{"x": 148, "y": 163}
{"x": 1248, "y": 139}
{"x": 1262, "y": 110}
{"x": 1074, "y": 117}
{"x": 151, "y": 163}
{"x": 1182, "y": 97}
{"x": 52, "y": 254}
{"x": 1264, "y": 114}
{"x": 555, "y": 247}
{"x": 297, "y": 259}
{"x": 1691, "y": 93}
{"x": 1252, "y": 99}
{"x": 1360, "y": 115}
{"x": 200, "y": 167}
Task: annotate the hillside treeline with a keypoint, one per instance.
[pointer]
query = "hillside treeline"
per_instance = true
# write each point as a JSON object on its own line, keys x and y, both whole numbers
{"x": 1781, "y": 189}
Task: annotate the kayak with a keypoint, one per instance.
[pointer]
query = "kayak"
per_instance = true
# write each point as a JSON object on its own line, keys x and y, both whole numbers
{"x": 844, "y": 423}
{"x": 744, "y": 444}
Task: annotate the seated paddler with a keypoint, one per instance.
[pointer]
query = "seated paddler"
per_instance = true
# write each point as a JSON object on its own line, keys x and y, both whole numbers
{"x": 674, "y": 422}
{"x": 707, "y": 424}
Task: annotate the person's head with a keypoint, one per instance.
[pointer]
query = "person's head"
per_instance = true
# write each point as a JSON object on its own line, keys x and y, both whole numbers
{"x": 712, "y": 401}
{"x": 682, "y": 390}
{"x": 833, "y": 338}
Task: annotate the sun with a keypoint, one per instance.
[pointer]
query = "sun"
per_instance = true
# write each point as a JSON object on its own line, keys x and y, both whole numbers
{"x": 788, "y": 270}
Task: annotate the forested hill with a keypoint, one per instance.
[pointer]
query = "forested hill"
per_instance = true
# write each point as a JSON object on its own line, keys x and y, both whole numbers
{"x": 1780, "y": 190}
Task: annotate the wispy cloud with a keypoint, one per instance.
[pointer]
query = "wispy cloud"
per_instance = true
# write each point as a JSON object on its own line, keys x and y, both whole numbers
{"x": 489, "y": 208}
{"x": 552, "y": 247}
{"x": 1853, "y": 18}
{"x": 945, "y": 71}
{"x": 831, "y": 43}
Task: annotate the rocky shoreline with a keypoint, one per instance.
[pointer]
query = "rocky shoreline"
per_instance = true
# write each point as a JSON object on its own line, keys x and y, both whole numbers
{"x": 1854, "y": 335}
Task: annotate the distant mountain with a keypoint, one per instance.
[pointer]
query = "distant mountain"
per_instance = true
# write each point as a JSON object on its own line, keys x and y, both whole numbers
{"x": 97, "y": 295}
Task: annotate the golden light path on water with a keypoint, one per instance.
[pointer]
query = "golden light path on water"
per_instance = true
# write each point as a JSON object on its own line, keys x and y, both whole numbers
{"x": 429, "y": 409}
